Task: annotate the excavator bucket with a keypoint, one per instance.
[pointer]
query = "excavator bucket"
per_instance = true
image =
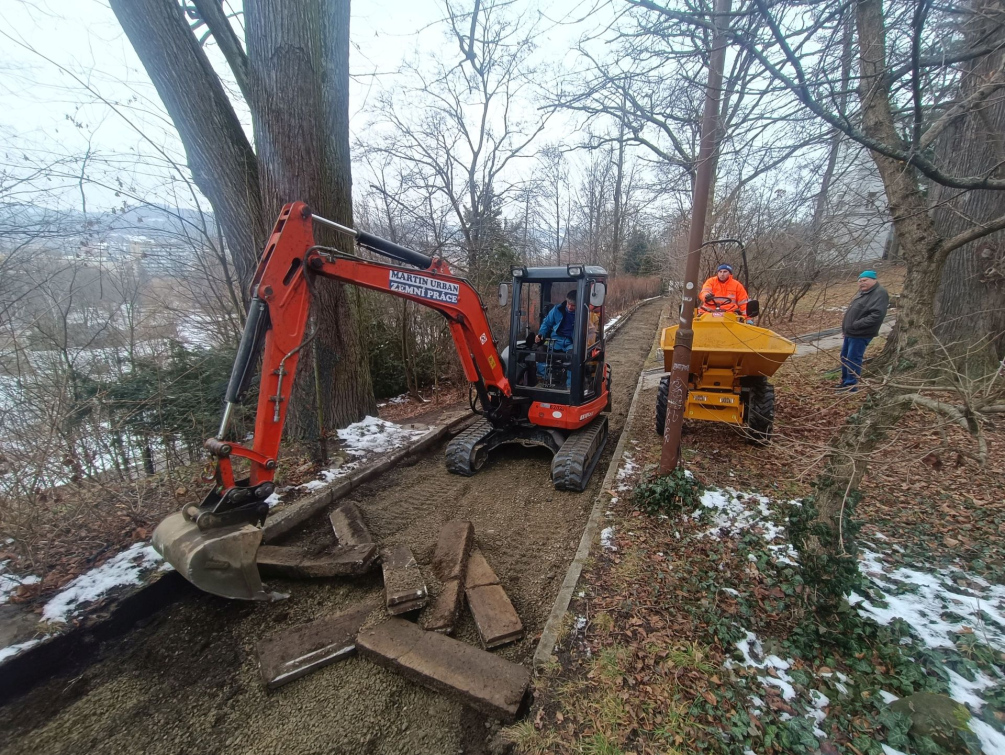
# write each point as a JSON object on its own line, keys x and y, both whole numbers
{"x": 220, "y": 561}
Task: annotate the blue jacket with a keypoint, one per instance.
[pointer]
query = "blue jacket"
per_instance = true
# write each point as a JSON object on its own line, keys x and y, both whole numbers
{"x": 559, "y": 322}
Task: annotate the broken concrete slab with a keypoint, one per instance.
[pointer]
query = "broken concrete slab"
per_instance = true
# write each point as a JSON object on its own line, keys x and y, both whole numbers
{"x": 293, "y": 653}
{"x": 453, "y": 547}
{"x": 404, "y": 587}
{"x": 443, "y": 615}
{"x": 295, "y": 563}
{"x": 349, "y": 526}
{"x": 475, "y": 677}
{"x": 479, "y": 572}
{"x": 495, "y": 617}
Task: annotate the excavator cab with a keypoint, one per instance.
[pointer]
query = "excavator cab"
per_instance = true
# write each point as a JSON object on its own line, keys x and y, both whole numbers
{"x": 569, "y": 373}
{"x": 560, "y": 387}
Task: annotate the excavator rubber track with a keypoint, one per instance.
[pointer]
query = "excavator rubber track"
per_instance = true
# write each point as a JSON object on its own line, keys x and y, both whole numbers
{"x": 574, "y": 463}
{"x": 468, "y": 451}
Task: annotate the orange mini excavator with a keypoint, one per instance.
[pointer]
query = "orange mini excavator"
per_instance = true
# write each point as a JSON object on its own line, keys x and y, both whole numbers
{"x": 531, "y": 394}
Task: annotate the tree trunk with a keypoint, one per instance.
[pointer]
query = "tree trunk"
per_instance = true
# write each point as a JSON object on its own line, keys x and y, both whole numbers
{"x": 618, "y": 220}
{"x": 299, "y": 69}
{"x": 219, "y": 155}
{"x": 826, "y": 537}
{"x": 970, "y": 307}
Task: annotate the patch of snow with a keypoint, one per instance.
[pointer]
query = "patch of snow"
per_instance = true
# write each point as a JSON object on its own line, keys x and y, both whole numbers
{"x": 628, "y": 467}
{"x": 992, "y": 740}
{"x": 887, "y": 750}
{"x": 838, "y": 685}
{"x": 126, "y": 568}
{"x": 937, "y": 609}
{"x": 607, "y": 539}
{"x": 968, "y": 692}
{"x": 734, "y": 512}
{"x": 11, "y": 650}
{"x": 371, "y": 435}
{"x": 580, "y": 623}
{"x": 273, "y": 499}
{"x": 784, "y": 555}
{"x": 375, "y": 435}
{"x": 923, "y": 598}
{"x": 888, "y": 697}
{"x": 611, "y": 322}
{"x": 731, "y": 591}
{"x": 751, "y": 649}
{"x": 9, "y": 583}
{"x": 817, "y": 714}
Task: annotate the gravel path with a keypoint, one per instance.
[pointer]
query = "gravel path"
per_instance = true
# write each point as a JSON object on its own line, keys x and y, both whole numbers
{"x": 188, "y": 680}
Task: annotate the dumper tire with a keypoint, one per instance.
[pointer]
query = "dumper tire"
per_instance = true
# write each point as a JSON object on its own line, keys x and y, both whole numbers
{"x": 760, "y": 409}
{"x": 662, "y": 397}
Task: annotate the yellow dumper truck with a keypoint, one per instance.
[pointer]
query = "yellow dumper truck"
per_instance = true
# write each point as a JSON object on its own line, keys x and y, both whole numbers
{"x": 731, "y": 362}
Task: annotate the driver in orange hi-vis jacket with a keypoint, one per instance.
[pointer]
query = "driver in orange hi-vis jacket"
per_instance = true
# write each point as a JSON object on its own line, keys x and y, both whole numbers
{"x": 723, "y": 285}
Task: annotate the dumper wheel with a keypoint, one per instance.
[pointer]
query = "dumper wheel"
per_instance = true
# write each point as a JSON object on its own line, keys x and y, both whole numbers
{"x": 662, "y": 396}
{"x": 760, "y": 409}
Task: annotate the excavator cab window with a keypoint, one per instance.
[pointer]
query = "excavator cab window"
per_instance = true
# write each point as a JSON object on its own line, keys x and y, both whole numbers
{"x": 560, "y": 369}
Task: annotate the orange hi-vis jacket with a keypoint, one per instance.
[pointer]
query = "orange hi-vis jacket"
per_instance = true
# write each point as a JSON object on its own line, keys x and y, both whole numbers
{"x": 732, "y": 289}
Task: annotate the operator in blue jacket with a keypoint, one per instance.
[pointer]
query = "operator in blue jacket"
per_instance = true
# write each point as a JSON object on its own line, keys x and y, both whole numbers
{"x": 559, "y": 325}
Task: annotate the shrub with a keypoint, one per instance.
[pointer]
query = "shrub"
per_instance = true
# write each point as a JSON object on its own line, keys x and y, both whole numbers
{"x": 668, "y": 494}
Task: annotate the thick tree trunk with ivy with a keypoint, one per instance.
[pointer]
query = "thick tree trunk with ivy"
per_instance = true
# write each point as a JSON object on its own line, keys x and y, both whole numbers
{"x": 825, "y": 531}
{"x": 970, "y": 308}
{"x": 299, "y": 71}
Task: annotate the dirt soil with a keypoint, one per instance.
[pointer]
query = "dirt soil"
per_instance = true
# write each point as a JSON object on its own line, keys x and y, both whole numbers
{"x": 188, "y": 681}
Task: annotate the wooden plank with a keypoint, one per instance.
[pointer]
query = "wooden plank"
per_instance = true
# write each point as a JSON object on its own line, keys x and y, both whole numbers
{"x": 453, "y": 547}
{"x": 475, "y": 677}
{"x": 479, "y": 572}
{"x": 495, "y": 617}
{"x": 349, "y": 526}
{"x": 442, "y": 616}
{"x": 295, "y": 652}
{"x": 295, "y": 563}
{"x": 404, "y": 587}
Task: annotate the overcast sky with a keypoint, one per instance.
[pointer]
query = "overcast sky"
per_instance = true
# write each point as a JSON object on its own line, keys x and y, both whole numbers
{"x": 54, "y": 50}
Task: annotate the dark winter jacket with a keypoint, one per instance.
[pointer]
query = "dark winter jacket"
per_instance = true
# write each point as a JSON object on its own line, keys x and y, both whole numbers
{"x": 559, "y": 322}
{"x": 866, "y": 313}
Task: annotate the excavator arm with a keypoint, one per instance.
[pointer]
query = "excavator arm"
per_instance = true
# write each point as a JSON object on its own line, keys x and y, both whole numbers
{"x": 276, "y": 330}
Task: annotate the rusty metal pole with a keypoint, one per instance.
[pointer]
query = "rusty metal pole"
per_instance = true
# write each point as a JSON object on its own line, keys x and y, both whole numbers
{"x": 677, "y": 398}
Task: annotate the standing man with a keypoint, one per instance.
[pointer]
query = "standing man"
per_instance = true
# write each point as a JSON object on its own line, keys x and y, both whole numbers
{"x": 723, "y": 285}
{"x": 861, "y": 324}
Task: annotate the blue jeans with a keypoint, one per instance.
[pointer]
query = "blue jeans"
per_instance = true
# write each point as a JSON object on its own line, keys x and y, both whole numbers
{"x": 852, "y": 353}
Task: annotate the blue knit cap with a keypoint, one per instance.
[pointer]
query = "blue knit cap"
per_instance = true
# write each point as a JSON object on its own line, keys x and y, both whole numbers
{"x": 724, "y": 266}
{"x": 868, "y": 274}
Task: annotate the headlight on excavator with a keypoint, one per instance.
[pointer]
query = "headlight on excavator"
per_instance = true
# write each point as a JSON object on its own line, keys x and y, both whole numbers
{"x": 575, "y": 271}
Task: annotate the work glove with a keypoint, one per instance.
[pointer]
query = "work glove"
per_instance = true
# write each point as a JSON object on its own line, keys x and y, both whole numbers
{"x": 708, "y": 297}
{"x": 749, "y": 321}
